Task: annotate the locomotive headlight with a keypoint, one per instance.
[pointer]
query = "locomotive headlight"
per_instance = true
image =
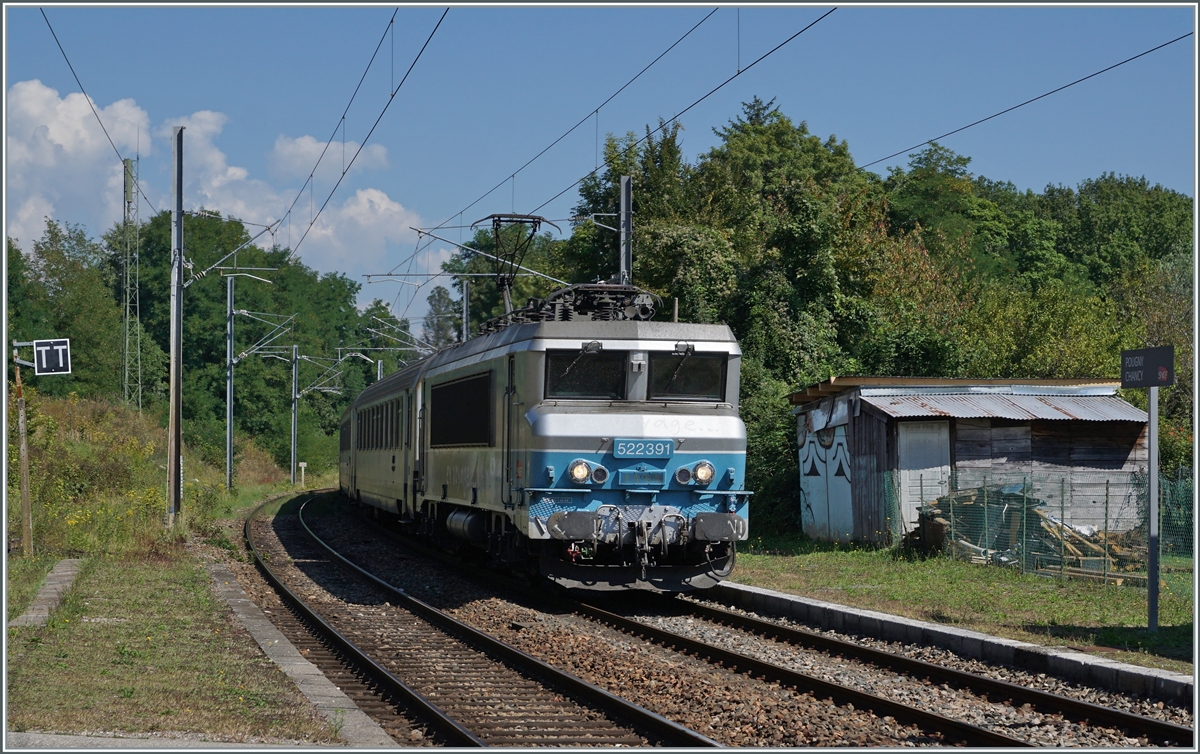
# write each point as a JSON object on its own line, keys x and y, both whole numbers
{"x": 599, "y": 475}
{"x": 704, "y": 472}
{"x": 579, "y": 471}
{"x": 683, "y": 475}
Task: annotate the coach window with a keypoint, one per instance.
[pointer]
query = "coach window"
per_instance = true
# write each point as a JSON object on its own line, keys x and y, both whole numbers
{"x": 586, "y": 374}
{"x": 687, "y": 376}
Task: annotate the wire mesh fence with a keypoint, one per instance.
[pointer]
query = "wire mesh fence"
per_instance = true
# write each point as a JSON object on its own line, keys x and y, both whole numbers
{"x": 1083, "y": 525}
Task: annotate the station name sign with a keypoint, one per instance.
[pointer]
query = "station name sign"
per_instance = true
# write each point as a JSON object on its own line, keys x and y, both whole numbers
{"x": 1148, "y": 367}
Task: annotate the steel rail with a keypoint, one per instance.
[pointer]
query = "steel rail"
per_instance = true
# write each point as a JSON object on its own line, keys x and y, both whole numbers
{"x": 1095, "y": 714}
{"x": 972, "y": 735}
{"x": 456, "y": 733}
{"x": 930, "y": 722}
{"x": 673, "y": 732}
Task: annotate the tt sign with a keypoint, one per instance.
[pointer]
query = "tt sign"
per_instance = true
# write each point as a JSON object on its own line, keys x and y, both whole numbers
{"x": 1148, "y": 367}
{"x": 52, "y": 356}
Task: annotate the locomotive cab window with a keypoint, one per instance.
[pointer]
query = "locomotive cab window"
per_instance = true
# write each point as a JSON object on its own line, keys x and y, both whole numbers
{"x": 588, "y": 375}
{"x": 687, "y": 376}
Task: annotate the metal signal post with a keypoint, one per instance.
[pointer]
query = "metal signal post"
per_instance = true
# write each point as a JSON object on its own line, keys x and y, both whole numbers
{"x": 26, "y": 506}
{"x": 295, "y": 404}
{"x": 230, "y": 360}
{"x": 1150, "y": 368}
{"x": 44, "y": 351}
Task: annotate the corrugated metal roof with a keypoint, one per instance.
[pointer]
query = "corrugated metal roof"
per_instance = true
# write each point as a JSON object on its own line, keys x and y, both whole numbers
{"x": 1022, "y": 407}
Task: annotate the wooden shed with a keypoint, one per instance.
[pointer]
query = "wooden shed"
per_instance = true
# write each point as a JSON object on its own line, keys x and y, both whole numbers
{"x": 874, "y": 449}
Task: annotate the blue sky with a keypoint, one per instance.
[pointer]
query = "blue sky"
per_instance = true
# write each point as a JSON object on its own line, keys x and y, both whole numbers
{"x": 261, "y": 89}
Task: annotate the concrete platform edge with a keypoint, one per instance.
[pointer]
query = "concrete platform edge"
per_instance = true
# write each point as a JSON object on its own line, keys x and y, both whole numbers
{"x": 16, "y": 741}
{"x": 58, "y": 582}
{"x": 356, "y": 728}
{"x": 1067, "y": 664}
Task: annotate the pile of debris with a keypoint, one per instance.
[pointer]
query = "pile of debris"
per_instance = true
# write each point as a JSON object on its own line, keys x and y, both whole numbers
{"x": 1004, "y": 525}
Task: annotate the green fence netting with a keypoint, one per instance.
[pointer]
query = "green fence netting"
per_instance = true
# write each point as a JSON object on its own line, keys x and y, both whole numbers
{"x": 1091, "y": 526}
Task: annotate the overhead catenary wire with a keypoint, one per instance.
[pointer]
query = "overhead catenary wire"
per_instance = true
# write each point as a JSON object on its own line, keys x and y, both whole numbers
{"x": 677, "y": 115}
{"x": 1026, "y": 102}
{"x": 342, "y": 120}
{"x": 594, "y": 112}
{"x": 648, "y": 135}
{"x": 375, "y": 125}
{"x": 93, "y": 107}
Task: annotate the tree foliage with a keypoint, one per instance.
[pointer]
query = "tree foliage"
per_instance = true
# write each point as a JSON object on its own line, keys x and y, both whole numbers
{"x": 819, "y": 268}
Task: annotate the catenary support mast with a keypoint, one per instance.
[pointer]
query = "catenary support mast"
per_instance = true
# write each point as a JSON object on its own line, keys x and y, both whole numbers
{"x": 175, "y": 418}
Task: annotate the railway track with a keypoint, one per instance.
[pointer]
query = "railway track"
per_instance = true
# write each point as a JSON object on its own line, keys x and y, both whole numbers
{"x": 472, "y": 689}
{"x": 1052, "y": 710}
{"x": 944, "y": 727}
{"x": 1157, "y": 731}
{"x": 355, "y": 681}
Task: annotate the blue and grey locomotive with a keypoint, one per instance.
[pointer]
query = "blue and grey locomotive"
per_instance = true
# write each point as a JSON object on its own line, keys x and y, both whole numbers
{"x": 600, "y": 448}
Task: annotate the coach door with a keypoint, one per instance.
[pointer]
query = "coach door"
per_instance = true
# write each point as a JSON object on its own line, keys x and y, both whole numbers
{"x": 418, "y": 472}
{"x": 406, "y": 424}
{"x": 512, "y": 463}
{"x": 352, "y": 465}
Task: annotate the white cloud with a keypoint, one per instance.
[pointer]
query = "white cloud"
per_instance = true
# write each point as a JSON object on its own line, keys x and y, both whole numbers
{"x": 354, "y": 235}
{"x": 296, "y": 158}
{"x": 58, "y": 158}
{"x": 60, "y": 165}
{"x": 28, "y": 222}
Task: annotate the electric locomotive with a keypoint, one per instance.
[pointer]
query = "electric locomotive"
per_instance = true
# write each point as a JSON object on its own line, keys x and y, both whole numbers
{"x": 596, "y": 447}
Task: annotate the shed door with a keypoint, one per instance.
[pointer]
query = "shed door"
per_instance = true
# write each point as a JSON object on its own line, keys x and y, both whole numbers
{"x": 924, "y": 465}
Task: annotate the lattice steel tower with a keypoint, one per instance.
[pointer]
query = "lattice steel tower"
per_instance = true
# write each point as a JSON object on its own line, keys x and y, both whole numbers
{"x": 131, "y": 348}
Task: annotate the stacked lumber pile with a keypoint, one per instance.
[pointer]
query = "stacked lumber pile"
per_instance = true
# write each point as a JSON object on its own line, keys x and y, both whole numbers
{"x": 1003, "y": 525}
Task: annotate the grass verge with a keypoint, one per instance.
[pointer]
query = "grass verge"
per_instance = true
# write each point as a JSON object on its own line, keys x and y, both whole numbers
{"x": 142, "y": 646}
{"x": 25, "y": 577}
{"x": 1098, "y": 618}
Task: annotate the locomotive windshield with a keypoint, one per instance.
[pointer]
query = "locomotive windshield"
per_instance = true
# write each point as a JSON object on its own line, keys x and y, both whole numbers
{"x": 687, "y": 377}
{"x": 594, "y": 376}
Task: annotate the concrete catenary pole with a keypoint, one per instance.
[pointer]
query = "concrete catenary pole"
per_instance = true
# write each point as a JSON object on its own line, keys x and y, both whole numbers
{"x": 175, "y": 416}
{"x": 626, "y": 268}
{"x": 466, "y": 312}
{"x": 229, "y": 383}
{"x": 295, "y": 403}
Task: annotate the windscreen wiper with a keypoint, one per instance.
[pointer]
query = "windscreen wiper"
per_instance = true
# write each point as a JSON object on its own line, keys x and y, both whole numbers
{"x": 572, "y": 364}
{"x": 675, "y": 374}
